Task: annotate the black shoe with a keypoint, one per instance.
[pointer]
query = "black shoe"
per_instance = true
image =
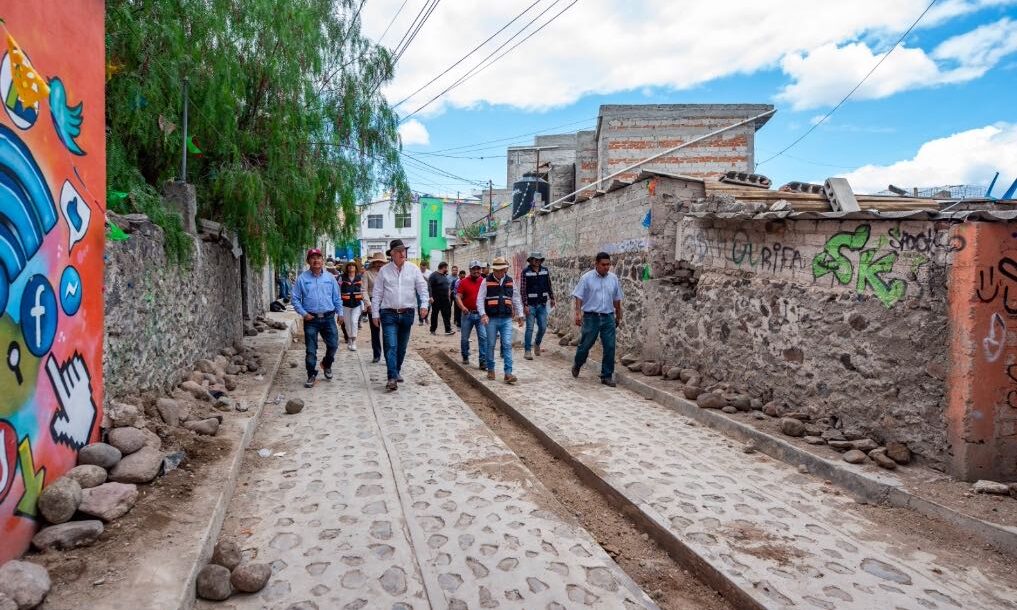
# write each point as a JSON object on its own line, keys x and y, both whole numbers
{"x": 466, "y": 362}
{"x": 575, "y": 370}
{"x": 390, "y": 386}
{"x": 432, "y": 332}
{"x": 483, "y": 367}
{"x": 310, "y": 381}
{"x": 608, "y": 382}
{"x": 450, "y": 332}
{"x": 328, "y": 374}
{"x": 400, "y": 379}
{"x": 376, "y": 360}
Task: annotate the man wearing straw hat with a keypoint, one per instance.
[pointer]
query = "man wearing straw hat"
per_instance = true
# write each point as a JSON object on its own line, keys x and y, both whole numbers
{"x": 498, "y": 303}
{"x": 374, "y": 264}
{"x": 397, "y": 290}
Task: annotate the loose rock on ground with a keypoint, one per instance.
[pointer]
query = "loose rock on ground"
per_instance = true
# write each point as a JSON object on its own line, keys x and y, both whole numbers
{"x": 24, "y": 582}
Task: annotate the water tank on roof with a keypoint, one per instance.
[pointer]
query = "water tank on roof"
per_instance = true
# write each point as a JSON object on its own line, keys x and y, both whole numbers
{"x": 526, "y": 190}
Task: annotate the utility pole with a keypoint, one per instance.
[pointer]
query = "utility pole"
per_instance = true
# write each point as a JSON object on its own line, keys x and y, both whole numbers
{"x": 490, "y": 204}
{"x": 183, "y": 132}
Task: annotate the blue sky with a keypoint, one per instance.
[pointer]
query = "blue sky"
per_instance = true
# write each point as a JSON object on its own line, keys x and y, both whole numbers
{"x": 942, "y": 109}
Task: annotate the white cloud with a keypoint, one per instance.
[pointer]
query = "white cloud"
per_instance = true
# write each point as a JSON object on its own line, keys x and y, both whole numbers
{"x": 968, "y": 157}
{"x": 605, "y": 46}
{"x": 825, "y": 74}
{"x": 413, "y": 132}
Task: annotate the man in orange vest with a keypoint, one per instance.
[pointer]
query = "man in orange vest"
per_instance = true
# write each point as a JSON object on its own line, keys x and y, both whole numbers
{"x": 498, "y": 303}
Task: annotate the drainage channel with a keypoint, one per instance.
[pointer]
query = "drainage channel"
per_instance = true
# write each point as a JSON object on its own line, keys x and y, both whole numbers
{"x": 663, "y": 577}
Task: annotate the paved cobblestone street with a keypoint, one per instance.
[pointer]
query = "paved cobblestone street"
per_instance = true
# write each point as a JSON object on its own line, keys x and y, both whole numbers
{"x": 404, "y": 500}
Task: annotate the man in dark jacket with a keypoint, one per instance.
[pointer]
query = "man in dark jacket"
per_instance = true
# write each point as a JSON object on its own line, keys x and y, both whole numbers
{"x": 439, "y": 285}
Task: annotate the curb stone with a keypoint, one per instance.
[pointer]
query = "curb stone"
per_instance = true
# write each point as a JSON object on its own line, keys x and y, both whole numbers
{"x": 861, "y": 484}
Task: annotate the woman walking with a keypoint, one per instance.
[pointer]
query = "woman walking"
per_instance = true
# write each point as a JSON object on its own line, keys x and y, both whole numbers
{"x": 351, "y": 289}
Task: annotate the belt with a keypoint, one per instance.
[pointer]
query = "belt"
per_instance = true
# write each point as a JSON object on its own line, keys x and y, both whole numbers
{"x": 320, "y": 316}
{"x": 597, "y": 313}
{"x": 400, "y": 310}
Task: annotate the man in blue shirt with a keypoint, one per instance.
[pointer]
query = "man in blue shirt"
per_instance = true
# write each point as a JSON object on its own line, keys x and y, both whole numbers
{"x": 598, "y": 299}
{"x": 316, "y": 298}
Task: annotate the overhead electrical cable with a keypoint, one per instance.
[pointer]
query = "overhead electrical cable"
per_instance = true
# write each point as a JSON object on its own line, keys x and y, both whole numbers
{"x": 850, "y": 93}
{"x": 479, "y": 67}
{"x": 464, "y": 57}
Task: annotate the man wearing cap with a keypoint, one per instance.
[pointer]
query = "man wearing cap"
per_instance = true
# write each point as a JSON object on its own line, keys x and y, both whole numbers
{"x": 394, "y": 298}
{"x": 598, "y": 298}
{"x": 316, "y": 298}
{"x": 466, "y": 302}
{"x": 498, "y": 303}
{"x": 374, "y": 264}
{"x": 535, "y": 286}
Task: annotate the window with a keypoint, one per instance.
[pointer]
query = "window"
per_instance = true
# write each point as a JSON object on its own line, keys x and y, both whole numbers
{"x": 402, "y": 221}
{"x": 374, "y": 221}
{"x": 432, "y": 228}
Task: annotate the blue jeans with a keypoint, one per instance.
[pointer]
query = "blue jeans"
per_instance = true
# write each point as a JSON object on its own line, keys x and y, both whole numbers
{"x": 395, "y": 334}
{"x": 594, "y": 324}
{"x": 471, "y": 321}
{"x": 537, "y": 313}
{"x": 330, "y": 335}
{"x": 284, "y": 288}
{"x": 500, "y": 327}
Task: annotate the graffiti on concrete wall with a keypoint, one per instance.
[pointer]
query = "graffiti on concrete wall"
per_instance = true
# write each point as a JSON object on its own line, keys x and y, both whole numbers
{"x": 885, "y": 262}
{"x": 994, "y": 283}
{"x": 836, "y": 259}
{"x": 52, "y": 210}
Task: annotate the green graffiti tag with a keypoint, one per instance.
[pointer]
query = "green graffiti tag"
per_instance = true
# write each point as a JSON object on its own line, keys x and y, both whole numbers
{"x": 833, "y": 260}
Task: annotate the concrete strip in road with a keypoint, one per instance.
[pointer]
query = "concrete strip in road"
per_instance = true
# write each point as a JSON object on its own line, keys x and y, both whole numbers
{"x": 405, "y": 500}
{"x": 777, "y": 537}
{"x": 875, "y": 486}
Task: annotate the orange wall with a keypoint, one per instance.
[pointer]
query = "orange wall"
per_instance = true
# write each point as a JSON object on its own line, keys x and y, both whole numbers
{"x": 982, "y": 400}
{"x": 52, "y": 232}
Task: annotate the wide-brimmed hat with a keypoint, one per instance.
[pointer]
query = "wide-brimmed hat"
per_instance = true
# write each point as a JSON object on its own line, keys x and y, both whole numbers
{"x": 475, "y": 264}
{"x": 312, "y": 252}
{"x": 330, "y": 266}
{"x": 395, "y": 244}
{"x": 535, "y": 255}
{"x": 499, "y": 263}
{"x": 376, "y": 257}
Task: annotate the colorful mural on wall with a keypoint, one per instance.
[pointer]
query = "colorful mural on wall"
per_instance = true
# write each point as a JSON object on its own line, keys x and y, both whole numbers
{"x": 52, "y": 211}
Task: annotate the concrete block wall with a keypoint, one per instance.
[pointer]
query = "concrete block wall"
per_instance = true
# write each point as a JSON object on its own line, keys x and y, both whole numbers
{"x": 522, "y": 159}
{"x": 628, "y": 134}
{"x": 586, "y": 160}
{"x": 894, "y": 330}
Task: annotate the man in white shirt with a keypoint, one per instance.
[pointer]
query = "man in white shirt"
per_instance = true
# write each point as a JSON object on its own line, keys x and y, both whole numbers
{"x": 394, "y": 299}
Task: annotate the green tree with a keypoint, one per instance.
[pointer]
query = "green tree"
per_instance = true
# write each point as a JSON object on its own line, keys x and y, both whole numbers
{"x": 284, "y": 106}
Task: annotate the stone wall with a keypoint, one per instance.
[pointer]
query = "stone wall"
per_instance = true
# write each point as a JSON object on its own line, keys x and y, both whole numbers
{"x": 161, "y": 317}
{"x": 846, "y": 320}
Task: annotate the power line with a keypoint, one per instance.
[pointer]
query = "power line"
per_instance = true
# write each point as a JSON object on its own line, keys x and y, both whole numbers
{"x": 477, "y": 69}
{"x": 406, "y": 45}
{"x": 390, "y": 23}
{"x": 438, "y": 170}
{"x": 464, "y": 57}
{"x": 850, "y": 93}
{"x": 463, "y": 147}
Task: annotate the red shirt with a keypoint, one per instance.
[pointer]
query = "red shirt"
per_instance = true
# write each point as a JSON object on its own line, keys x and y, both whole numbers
{"x": 468, "y": 289}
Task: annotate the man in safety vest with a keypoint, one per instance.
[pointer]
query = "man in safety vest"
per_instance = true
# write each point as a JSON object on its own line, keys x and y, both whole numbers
{"x": 535, "y": 287}
{"x": 498, "y": 303}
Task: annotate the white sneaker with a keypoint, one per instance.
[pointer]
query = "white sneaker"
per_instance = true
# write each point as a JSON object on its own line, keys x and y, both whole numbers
{"x": 350, "y": 347}
{"x": 353, "y": 347}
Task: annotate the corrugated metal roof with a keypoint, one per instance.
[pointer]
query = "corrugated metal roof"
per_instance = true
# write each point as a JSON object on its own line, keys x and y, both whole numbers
{"x": 963, "y": 216}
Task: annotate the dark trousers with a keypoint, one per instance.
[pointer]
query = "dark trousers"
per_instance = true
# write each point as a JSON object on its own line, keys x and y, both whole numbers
{"x": 375, "y": 341}
{"x": 445, "y": 309}
{"x": 395, "y": 332}
{"x": 326, "y": 327}
{"x": 593, "y": 325}
{"x": 457, "y": 316}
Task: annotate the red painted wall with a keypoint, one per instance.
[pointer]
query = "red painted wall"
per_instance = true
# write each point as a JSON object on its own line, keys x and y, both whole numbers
{"x": 52, "y": 231}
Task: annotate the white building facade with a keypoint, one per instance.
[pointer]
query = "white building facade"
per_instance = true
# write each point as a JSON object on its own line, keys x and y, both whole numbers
{"x": 380, "y": 223}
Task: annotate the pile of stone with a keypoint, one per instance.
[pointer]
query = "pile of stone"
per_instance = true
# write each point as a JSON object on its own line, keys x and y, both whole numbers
{"x": 103, "y": 487}
{"x": 227, "y": 573}
{"x": 261, "y": 324}
{"x": 710, "y": 394}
